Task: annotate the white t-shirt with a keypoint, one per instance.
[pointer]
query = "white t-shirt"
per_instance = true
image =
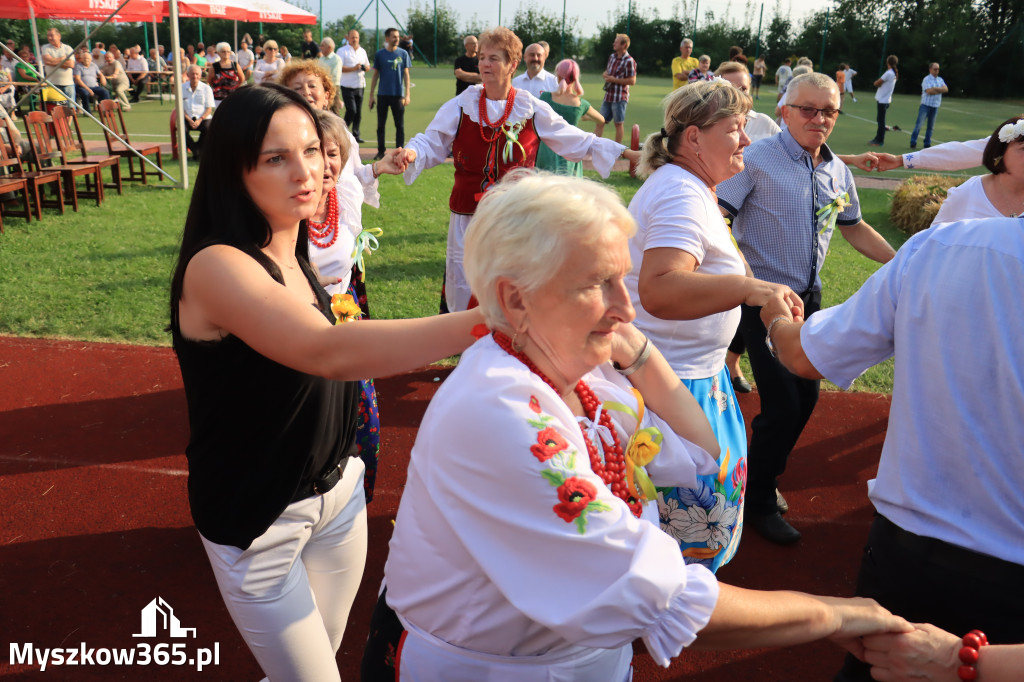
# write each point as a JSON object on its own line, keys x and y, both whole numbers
{"x": 263, "y": 72}
{"x": 760, "y": 126}
{"x": 951, "y": 466}
{"x": 967, "y": 201}
{"x": 59, "y": 75}
{"x": 245, "y": 58}
{"x": 884, "y": 93}
{"x": 674, "y": 209}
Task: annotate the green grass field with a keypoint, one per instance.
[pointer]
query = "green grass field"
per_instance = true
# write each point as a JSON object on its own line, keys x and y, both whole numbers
{"x": 102, "y": 274}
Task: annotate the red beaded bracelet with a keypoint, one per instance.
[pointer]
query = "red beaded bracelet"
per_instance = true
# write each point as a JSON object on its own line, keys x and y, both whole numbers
{"x": 969, "y": 654}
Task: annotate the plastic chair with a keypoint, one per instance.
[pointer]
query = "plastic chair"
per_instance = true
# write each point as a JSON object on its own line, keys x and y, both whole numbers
{"x": 112, "y": 117}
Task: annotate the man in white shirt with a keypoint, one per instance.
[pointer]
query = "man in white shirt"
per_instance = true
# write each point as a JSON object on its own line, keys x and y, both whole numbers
{"x": 198, "y": 103}
{"x": 332, "y": 62}
{"x": 138, "y": 72}
{"x": 536, "y": 80}
{"x": 245, "y": 59}
{"x": 59, "y": 60}
{"x": 7, "y": 61}
{"x": 948, "y": 487}
{"x": 354, "y": 65}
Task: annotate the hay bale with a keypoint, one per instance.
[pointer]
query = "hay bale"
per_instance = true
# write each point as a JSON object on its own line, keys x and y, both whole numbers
{"x": 918, "y": 199}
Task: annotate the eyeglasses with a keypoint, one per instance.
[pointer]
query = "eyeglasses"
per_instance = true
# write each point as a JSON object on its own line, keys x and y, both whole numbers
{"x": 811, "y": 112}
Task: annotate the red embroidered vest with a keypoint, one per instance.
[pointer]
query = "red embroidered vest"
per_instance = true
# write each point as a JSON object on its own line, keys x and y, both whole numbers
{"x": 470, "y": 154}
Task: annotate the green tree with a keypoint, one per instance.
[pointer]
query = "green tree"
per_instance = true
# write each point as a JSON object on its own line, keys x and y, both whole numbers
{"x": 778, "y": 42}
{"x": 420, "y": 25}
{"x": 533, "y": 24}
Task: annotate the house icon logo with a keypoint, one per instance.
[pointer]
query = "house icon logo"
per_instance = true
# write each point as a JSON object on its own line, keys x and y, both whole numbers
{"x": 158, "y": 616}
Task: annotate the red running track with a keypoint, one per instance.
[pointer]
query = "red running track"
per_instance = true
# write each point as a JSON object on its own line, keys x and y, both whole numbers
{"x": 94, "y": 520}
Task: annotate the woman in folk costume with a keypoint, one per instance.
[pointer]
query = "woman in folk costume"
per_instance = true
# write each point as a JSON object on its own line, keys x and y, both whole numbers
{"x": 490, "y": 129}
{"x": 527, "y": 544}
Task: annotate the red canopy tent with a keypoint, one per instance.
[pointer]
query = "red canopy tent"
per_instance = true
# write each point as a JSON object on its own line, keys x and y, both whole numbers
{"x": 272, "y": 11}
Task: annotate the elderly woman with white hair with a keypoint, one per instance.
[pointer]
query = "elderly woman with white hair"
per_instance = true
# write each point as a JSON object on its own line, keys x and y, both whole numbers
{"x": 223, "y": 75}
{"x": 265, "y": 70}
{"x": 527, "y": 543}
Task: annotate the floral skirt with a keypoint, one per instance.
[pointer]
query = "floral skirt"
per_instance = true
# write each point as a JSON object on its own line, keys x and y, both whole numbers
{"x": 707, "y": 521}
{"x": 368, "y": 427}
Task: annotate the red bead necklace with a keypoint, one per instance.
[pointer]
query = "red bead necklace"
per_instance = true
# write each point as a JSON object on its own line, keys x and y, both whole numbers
{"x": 319, "y": 232}
{"x": 496, "y": 126}
{"x": 612, "y": 469}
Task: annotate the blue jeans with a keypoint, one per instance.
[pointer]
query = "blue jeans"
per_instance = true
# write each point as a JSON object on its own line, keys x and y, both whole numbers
{"x": 613, "y": 111}
{"x": 924, "y": 111}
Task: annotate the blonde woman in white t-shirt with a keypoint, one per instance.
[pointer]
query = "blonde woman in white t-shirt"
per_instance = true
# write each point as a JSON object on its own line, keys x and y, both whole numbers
{"x": 687, "y": 283}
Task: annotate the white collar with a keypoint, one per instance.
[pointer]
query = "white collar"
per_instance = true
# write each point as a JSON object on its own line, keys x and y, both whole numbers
{"x": 522, "y": 108}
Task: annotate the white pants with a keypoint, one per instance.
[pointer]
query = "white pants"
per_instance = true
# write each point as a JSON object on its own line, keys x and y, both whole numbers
{"x": 425, "y": 658}
{"x": 456, "y": 288}
{"x": 290, "y": 592}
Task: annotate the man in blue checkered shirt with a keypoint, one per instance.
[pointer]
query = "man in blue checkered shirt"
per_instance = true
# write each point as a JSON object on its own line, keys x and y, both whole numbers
{"x": 786, "y": 203}
{"x": 932, "y": 90}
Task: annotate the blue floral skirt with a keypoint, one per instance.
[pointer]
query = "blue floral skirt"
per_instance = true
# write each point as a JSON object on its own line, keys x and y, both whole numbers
{"x": 707, "y": 521}
{"x": 368, "y": 426}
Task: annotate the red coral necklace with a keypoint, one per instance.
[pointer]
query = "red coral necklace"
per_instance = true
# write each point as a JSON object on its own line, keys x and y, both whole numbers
{"x": 319, "y": 232}
{"x": 612, "y": 469}
{"x": 496, "y": 126}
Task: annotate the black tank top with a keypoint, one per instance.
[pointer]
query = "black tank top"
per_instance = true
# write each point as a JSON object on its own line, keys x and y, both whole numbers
{"x": 259, "y": 432}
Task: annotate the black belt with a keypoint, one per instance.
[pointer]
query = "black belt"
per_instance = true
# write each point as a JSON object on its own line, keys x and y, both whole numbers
{"x": 322, "y": 485}
{"x": 950, "y": 556}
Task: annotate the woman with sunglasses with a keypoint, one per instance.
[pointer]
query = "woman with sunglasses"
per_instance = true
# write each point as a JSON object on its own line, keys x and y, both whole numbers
{"x": 267, "y": 68}
{"x": 687, "y": 283}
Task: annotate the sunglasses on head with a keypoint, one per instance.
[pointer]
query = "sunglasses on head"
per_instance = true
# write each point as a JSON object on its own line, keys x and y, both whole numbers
{"x": 810, "y": 112}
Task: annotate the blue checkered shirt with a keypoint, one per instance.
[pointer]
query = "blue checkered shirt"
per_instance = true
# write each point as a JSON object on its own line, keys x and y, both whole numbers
{"x": 774, "y": 202}
{"x": 931, "y": 81}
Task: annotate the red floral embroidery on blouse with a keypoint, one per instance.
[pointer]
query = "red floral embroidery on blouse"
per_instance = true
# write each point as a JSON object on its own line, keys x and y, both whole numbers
{"x": 534, "y": 404}
{"x": 549, "y": 443}
{"x": 575, "y": 494}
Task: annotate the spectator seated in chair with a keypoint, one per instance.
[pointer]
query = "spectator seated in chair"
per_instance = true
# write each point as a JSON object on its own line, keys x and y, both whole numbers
{"x": 198, "y": 102}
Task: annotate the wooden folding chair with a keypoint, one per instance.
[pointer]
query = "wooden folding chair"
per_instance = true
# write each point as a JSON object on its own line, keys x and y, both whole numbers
{"x": 49, "y": 157}
{"x": 11, "y": 167}
{"x": 13, "y": 184}
{"x": 112, "y": 117}
{"x": 73, "y": 150}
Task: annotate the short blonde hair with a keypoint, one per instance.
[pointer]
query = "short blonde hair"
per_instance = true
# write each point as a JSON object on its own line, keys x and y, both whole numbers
{"x": 521, "y": 231}
{"x": 505, "y": 40}
{"x": 701, "y": 104}
{"x": 272, "y": 44}
{"x": 731, "y": 67}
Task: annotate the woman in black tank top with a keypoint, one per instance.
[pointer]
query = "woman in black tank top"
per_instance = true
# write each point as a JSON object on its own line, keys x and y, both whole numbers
{"x": 274, "y": 487}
